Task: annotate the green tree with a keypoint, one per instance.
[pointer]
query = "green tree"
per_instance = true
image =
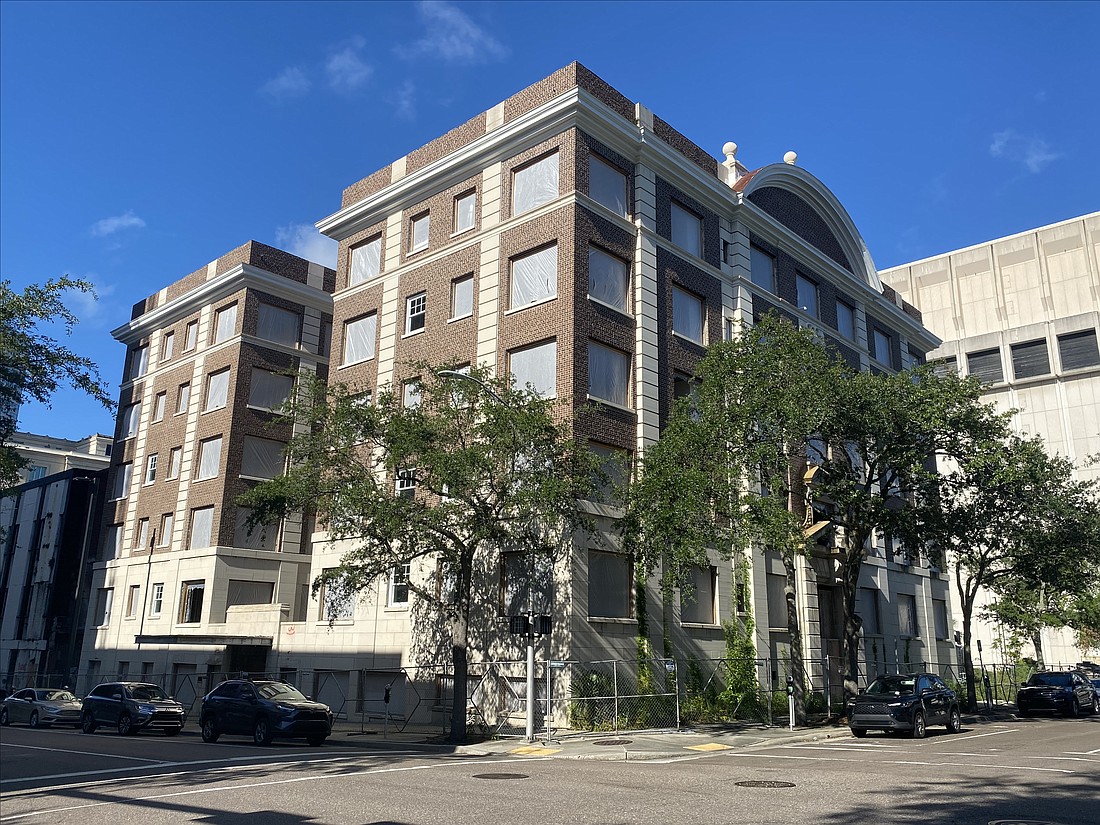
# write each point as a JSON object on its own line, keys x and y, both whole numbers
{"x": 487, "y": 467}
{"x": 33, "y": 364}
{"x": 727, "y": 472}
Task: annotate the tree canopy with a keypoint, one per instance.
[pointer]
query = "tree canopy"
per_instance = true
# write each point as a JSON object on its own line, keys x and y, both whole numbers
{"x": 443, "y": 477}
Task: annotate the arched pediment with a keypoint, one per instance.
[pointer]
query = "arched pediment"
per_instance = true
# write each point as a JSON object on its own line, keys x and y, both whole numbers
{"x": 805, "y": 205}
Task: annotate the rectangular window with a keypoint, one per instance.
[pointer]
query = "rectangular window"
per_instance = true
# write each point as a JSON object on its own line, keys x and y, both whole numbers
{"x": 262, "y": 537}
{"x": 399, "y": 585}
{"x": 359, "y": 338}
{"x": 405, "y": 484}
{"x": 465, "y": 211}
{"x": 699, "y": 602}
{"x": 225, "y": 323}
{"x": 462, "y": 297}
{"x": 523, "y": 584}
{"x": 336, "y": 603}
{"x": 1078, "y": 350}
{"x": 939, "y": 614}
{"x": 217, "y": 390}
{"x": 366, "y": 261}
{"x": 535, "y": 184}
{"x": 614, "y": 475}
{"x": 151, "y": 468}
{"x": 210, "y": 456}
{"x": 175, "y": 458}
{"x": 536, "y": 367}
{"x": 133, "y": 601}
{"x": 846, "y": 320}
{"x": 139, "y": 362}
{"x": 1030, "y": 359}
{"x": 113, "y": 548}
{"x": 202, "y": 525}
{"x": 410, "y": 393}
{"x": 418, "y": 233}
{"x": 777, "y": 601}
{"x": 762, "y": 269}
{"x": 985, "y": 366}
{"x": 36, "y": 472}
{"x": 608, "y": 279}
{"x": 608, "y": 374}
{"x": 104, "y": 597}
{"x": 907, "y": 615}
{"x": 122, "y": 481}
{"x": 191, "y": 598}
{"x": 131, "y": 417}
{"x": 607, "y": 185}
{"x": 164, "y": 539}
{"x": 168, "y": 345}
{"x": 269, "y": 390}
{"x": 687, "y": 315}
{"x": 948, "y": 365}
{"x": 867, "y": 610}
{"x": 158, "y": 406}
{"x": 262, "y": 458}
{"x": 807, "y": 294}
{"x": 609, "y": 585}
{"x": 241, "y": 591}
{"x": 535, "y": 277}
{"x": 416, "y": 310}
{"x": 687, "y": 230}
{"x": 183, "y": 398}
{"x": 278, "y": 325}
{"x": 883, "y": 343}
{"x": 192, "y": 336}
{"x": 156, "y": 600}
{"x": 141, "y": 534}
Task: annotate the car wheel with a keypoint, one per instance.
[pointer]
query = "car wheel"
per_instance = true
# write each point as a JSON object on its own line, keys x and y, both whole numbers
{"x": 4, "y": 720}
{"x": 33, "y": 721}
{"x": 1074, "y": 708}
{"x": 209, "y": 730}
{"x": 1023, "y": 714}
{"x": 172, "y": 731}
{"x": 262, "y": 732}
{"x": 919, "y": 726}
{"x": 125, "y": 725}
{"x": 859, "y": 733}
{"x": 954, "y": 721}
{"x": 317, "y": 741}
{"x": 87, "y": 723}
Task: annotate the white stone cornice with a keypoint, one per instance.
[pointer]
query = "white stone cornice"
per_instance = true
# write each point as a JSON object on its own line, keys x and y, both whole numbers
{"x": 242, "y": 276}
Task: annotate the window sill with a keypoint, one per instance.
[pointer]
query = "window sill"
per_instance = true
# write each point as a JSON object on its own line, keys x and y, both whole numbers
{"x": 613, "y": 620}
{"x": 539, "y": 302}
{"x": 255, "y": 478}
{"x": 612, "y": 307}
{"x": 396, "y": 608}
{"x": 356, "y": 363}
{"x": 214, "y": 409}
{"x": 701, "y": 625}
{"x": 207, "y": 478}
{"x": 459, "y": 232}
{"x": 683, "y": 337}
{"x": 460, "y": 318}
{"x": 414, "y": 333}
{"x": 335, "y": 622}
{"x": 417, "y": 251}
{"x": 261, "y": 409}
{"x": 615, "y": 406}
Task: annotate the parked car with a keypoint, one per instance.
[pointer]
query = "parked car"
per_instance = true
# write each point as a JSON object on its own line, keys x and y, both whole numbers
{"x": 904, "y": 702}
{"x": 264, "y": 710}
{"x": 1096, "y": 689}
{"x": 130, "y": 707}
{"x": 1068, "y": 692}
{"x": 40, "y": 707}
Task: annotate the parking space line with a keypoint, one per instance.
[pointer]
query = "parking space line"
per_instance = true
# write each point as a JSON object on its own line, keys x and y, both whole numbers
{"x": 758, "y": 755}
{"x": 980, "y": 735}
{"x": 87, "y": 753}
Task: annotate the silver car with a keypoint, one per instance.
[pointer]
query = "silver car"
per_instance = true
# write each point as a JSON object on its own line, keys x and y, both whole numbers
{"x": 40, "y": 707}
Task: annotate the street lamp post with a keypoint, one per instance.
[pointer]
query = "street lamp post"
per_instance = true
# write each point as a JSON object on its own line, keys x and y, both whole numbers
{"x": 531, "y": 616}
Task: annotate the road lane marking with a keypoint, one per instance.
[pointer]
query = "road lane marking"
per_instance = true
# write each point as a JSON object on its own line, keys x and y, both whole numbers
{"x": 247, "y": 786}
{"x": 900, "y": 762}
{"x": 87, "y": 753}
{"x": 980, "y": 735}
{"x": 1069, "y": 759}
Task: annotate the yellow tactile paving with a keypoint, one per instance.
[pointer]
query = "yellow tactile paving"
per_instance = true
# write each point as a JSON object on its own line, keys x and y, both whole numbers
{"x": 709, "y": 746}
{"x": 531, "y": 750}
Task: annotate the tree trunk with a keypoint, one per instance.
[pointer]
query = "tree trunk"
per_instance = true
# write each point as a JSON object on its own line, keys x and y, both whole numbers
{"x": 849, "y": 581}
{"x": 459, "y": 645}
{"x": 1037, "y": 641}
{"x": 967, "y": 595}
{"x": 794, "y": 630}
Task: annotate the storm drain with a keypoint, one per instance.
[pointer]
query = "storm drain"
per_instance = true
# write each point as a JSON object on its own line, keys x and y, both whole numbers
{"x": 612, "y": 741}
{"x": 500, "y": 776}
{"x": 764, "y": 783}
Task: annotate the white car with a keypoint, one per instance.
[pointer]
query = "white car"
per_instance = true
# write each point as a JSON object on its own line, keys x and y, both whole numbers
{"x": 40, "y": 707}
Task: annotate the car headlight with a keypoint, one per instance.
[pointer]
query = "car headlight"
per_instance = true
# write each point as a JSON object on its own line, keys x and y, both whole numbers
{"x": 286, "y": 710}
{"x": 147, "y": 709}
{"x": 896, "y": 704}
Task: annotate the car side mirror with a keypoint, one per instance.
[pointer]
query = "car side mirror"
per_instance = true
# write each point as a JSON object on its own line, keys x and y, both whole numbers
{"x": 117, "y": 696}
{"x": 1023, "y": 684}
{"x": 862, "y": 691}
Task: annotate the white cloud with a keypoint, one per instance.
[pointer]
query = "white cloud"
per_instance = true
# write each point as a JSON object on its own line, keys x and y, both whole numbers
{"x": 404, "y": 101}
{"x": 305, "y": 241}
{"x": 346, "y": 71}
{"x": 86, "y": 307}
{"x": 1031, "y": 151}
{"x": 452, "y": 36}
{"x": 290, "y": 82}
{"x": 109, "y": 226}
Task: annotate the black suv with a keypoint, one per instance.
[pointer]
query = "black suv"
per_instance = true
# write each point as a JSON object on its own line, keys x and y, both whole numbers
{"x": 265, "y": 711}
{"x": 906, "y": 702}
{"x": 1067, "y": 691}
{"x": 130, "y": 707}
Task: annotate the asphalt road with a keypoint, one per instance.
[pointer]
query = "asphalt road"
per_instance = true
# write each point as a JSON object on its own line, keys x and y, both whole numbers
{"x": 1041, "y": 770}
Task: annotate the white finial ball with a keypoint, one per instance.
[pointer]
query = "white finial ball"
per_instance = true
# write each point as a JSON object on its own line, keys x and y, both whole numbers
{"x": 790, "y": 158}
{"x": 729, "y": 150}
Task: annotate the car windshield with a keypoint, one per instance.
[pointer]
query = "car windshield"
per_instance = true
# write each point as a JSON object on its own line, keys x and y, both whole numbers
{"x": 1049, "y": 680}
{"x": 55, "y": 696}
{"x": 280, "y": 692}
{"x": 147, "y": 692}
{"x": 892, "y": 685}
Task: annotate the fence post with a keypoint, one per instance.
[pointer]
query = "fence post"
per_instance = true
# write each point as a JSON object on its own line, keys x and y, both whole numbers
{"x": 615, "y": 689}
{"x": 676, "y": 687}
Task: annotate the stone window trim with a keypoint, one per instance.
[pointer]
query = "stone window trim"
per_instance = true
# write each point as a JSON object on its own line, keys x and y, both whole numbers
{"x": 463, "y": 223}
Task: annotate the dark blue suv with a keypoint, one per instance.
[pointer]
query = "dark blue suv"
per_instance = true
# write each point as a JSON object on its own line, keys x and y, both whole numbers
{"x": 265, "y": 711}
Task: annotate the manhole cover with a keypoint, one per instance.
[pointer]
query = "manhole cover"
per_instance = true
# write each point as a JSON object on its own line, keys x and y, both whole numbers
{"x": 500, "y": 776}
{"x": 1021, "y": 822}
{"x": 612, "y": 741}
{"x": 763, "y": 783}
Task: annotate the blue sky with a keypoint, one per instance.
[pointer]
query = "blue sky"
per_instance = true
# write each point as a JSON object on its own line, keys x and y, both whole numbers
{"x": 138, "y": 141}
